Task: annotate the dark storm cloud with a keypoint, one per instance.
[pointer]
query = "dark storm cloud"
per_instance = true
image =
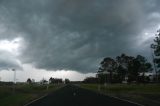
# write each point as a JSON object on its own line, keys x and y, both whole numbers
{"x": 74, "y": 34}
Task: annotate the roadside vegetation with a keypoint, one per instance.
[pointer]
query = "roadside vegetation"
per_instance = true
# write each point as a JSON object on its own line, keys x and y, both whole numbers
{"x": 23, "y": 93}
{"x": 146, "y": 94}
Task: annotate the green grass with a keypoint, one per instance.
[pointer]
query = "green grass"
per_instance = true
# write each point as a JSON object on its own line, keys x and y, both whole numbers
{"x": 16, "y": 99}
{"x": 147, "y": 94}
{"x": 23, "y": 93}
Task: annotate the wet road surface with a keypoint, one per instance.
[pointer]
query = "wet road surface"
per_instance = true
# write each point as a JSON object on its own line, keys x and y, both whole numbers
{"x": 71, "y": 95}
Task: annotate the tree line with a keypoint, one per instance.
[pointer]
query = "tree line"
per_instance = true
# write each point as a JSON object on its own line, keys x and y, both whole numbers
{"x": 124, "y": 68}
{"x": 50, "y": 81}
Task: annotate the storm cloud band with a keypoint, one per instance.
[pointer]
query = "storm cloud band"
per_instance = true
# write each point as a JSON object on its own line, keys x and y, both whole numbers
{"x": 76, "y": 34}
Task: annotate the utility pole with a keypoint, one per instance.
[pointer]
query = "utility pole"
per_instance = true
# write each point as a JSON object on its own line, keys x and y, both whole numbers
{"x": 155, "y": 68}
{"x": 14, "y": 83}
{"x": 14, "y": 75}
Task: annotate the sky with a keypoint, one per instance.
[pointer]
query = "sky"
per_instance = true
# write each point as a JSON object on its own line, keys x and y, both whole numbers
{"x": 69, "y": 38}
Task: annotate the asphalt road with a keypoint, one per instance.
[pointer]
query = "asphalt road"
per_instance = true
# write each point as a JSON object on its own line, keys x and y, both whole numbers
{"x": 71, "y": 95}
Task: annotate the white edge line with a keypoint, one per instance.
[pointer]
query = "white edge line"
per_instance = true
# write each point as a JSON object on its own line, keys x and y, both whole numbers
{"x": 40, "y": 98}
{"x": 126, "y": 100}
{"x": 116, "y": 97}
{"x": 35, "y": 100}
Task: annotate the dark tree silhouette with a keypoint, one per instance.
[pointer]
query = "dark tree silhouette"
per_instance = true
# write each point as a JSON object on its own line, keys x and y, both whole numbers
{"x": 29, "y": 81}
{"x": 55, "y": 81}
{"x": 67, "y": 81}
{"x": 144, "y": 65}
{"x": 124, "y": 68}
{"x": 108, "y": 65}
{"x": 51, "y": 80}
{"x": 43, "y": 81}
{"x": 133, "y": 69}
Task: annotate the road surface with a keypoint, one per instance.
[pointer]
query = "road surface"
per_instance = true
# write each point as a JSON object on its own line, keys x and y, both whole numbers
{"x": 71, "y": 95}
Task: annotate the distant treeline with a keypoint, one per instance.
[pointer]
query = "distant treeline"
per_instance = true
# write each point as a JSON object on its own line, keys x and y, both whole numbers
{"x": 5, "y": 83}
{"x": 50, "y": 81}
{"x": 122, "y": 68}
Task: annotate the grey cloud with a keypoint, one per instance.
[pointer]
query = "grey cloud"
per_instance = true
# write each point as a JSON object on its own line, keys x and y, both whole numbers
{"x": 8, "y": 61}
{"x": 74, "y": 34}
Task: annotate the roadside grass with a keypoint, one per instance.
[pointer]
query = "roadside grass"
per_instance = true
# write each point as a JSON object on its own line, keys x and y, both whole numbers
{"x": 147, "y": 94}
{"x": 23, "y": 93}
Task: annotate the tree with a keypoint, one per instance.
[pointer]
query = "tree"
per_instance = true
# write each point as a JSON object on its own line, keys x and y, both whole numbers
{"x": 51, "y": 80}
{"x": 90, "y": 80}
{"x": 122, "y": 68}
{"x": 67, "y": 81}
{"x": 145, "y": 66}
{"x": 133, "y": 69}
{"x": 29, "y": 81}
{"x": 43, "y": 81}
{"x": 125, "y": 68}
{"x": 130, "y": 67}
{"x": 108, "y": 65}
{"x": 136, "y": 66}
{"x": 121, "y": 73}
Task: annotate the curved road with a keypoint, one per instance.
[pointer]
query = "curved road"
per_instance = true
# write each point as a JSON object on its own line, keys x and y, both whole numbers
{"x": 71, "y": 95}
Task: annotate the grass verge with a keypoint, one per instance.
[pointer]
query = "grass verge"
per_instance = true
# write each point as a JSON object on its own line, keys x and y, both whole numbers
{"x": 148, "y": 94}
{"x": 23, "y": 93}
